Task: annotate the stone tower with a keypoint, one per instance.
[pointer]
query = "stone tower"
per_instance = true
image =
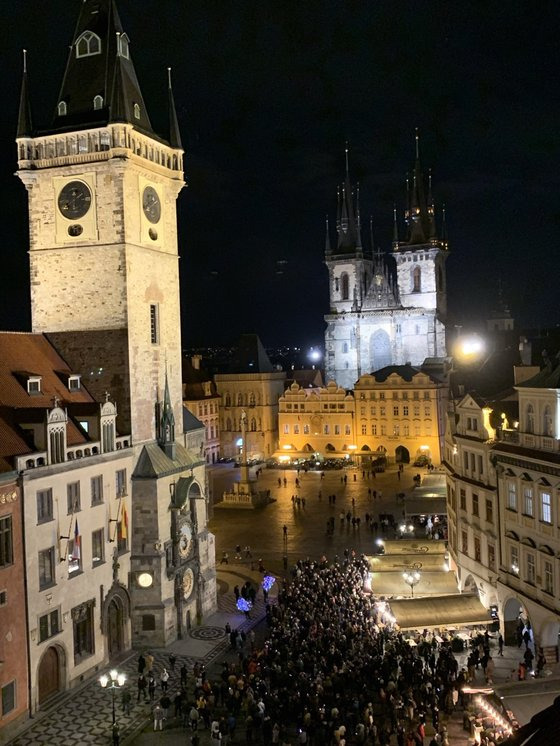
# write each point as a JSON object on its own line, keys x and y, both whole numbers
{"x": 102, "y": 189}
{"x": 385, "y": 309}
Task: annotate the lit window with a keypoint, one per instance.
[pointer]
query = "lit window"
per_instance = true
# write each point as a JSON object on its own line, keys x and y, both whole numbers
{"x": 98, "y": 102}
{"x": 306, "y": 429}
{"x": 74, "y": 383}
{"x": 512, "y": 496}
{"x": 531, "y": 568}
{"x": 124, "y": 46}
{"x": 528, "y": 501}
{"x": 364, "y": 429}
{"x": 514, "y": 556}
{"x": 62, "y": 109}
{"x": 88, "y": 44}
{"x": 374, "y": 429}
{"x": 546, "y": 507}
{"x": 346, "y": 429}
{"x": 491, "y": 556}
{"x": 136, "y": 111}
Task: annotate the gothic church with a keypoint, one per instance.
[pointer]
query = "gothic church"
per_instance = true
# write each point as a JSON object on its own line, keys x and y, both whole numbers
{"x": 385, "y": 310}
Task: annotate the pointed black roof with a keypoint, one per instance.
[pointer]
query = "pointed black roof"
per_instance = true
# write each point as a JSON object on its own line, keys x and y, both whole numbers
{"x": 99, "y": 64}
{"x": 25, "y": 124}
{"x": 174, "y": 133}
{"x": 250, "y": 356}
{"x": 349, "y": 240}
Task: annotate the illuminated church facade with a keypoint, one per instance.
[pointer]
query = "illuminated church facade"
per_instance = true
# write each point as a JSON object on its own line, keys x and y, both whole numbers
{"x": 385, "y": 309}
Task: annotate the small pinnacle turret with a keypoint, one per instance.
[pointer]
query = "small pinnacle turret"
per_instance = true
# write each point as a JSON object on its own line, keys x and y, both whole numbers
{"x": 25, "y": 123}
{"x": 174, "y": 133}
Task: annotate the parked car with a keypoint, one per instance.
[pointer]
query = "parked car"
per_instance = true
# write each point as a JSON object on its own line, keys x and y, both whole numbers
{"x": 422, "y": 461}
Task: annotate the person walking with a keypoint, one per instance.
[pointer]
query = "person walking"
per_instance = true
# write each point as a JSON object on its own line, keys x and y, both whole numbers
{"x": 141, "y": 663}
{"x": 151, "y": 687}
{"x": 142, "y": 683}
{"x": 149, "y": 663}
{"x": 500, "y": 644}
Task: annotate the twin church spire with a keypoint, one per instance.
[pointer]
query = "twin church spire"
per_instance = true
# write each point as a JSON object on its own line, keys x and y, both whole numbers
{"x": 99, "y": 86}
{"x": 419, "y": 215}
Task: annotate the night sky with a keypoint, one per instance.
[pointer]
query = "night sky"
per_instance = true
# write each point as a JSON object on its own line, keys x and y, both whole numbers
{"x": 267, "y": 94}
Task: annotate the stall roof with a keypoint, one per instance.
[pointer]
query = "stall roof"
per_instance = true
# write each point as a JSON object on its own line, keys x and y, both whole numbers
{"x": 418, "y": 505}
{"x": 431, "y": 583}
{"x": 457, "y": 610}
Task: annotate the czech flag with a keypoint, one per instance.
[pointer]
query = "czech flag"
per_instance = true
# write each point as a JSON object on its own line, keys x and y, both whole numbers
{"x": 76, "y": 548}
{"x": 124, "y": 524}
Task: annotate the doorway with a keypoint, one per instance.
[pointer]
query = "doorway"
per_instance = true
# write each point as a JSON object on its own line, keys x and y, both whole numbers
{"x": 115, "y": 631}
{"x": 49, "y": 674}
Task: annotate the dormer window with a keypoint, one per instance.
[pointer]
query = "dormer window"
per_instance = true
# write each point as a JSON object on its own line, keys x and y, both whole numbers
{"x": 62, "y": 109}
{"x": 74, "y": 383}
{"x": 98, "y": 102}
{"x": 136, "y": 111}
{"x": 123, "y": 46}
{"x": 34, "y": 385}
{"x": 88, "y": 44}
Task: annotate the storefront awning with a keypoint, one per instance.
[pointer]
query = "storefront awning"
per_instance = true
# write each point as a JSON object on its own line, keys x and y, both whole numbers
{"x": 457, "y": 610}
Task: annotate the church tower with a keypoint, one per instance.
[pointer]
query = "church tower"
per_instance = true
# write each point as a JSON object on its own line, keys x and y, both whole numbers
{"x": 102, "y": 189}
{"x": 391, "y": 309}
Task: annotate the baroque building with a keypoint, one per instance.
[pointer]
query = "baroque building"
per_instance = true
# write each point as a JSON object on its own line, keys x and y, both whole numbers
{"x": 397, "y": 413}
{"x": 385, "y": 310}
{"x": 102, "y": 188}
{"x": 203, "y": 401}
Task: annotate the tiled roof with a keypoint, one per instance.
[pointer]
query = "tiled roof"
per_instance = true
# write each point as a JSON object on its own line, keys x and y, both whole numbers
{"x": 22, "y": 353}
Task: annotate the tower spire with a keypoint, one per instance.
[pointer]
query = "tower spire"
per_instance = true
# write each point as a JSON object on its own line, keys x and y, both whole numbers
{"x": 328, "y": 249}
{"x": 174, "y": 133}
{"x": 347, "y": 166}
{"x": 25, "y": 123}
{"x": 395, "y": 228}
{"x": 167, "y": 428}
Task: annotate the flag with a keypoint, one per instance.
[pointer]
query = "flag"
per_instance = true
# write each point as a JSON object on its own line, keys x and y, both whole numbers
{"x": 124, "y": 524}
{"x": 76, "y": 548}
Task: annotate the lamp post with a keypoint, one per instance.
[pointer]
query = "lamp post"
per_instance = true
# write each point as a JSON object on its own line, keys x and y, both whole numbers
{"x": 115, "y": 680}
{"x": 411, "y": 579}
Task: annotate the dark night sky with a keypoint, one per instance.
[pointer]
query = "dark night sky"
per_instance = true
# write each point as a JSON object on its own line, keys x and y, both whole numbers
{"x": 268, "y": 92}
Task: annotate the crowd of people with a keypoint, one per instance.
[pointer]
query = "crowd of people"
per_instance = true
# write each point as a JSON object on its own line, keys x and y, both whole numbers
{"x": 329, "y": 672}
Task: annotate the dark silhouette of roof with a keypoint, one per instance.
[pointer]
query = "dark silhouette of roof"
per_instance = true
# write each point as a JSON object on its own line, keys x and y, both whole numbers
{"x": 250, "y": 356}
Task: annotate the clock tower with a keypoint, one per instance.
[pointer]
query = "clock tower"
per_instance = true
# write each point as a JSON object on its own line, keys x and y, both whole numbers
{"x": 102, "y": 188}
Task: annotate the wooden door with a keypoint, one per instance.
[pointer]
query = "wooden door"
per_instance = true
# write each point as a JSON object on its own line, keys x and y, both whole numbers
{"x": 49, "y": 675}
{"x": 115, "y": 628}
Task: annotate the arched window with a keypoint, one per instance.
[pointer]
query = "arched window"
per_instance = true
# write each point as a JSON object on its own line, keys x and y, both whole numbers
{"x": 344, "y": 286}
{"x": 227, "y": 401}
{"x": 123, "y": 46}
{"x": 98, "y": 102}
{"x": 228, "y": 423}
{"x": 62, "y": 109}
{"x": 136, "y": 111}
{"x": 88, "y": 44}
{"x": 547, "y": 421}
{"x": 253, "y": 425}
{"x": 251, "y": 399}
{"x": 440, "y": 278}
{"x": 416, "y": 280}
{"x": 345, "y": 347}
{"x": 530, "y": 426}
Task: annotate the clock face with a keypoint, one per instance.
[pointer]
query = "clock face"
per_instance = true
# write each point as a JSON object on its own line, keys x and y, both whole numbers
{"x": 151, "y": 204}
{"x": 74, "y": 199}
{"x": 188, "y": 583}
{"x": 185, "y": 540}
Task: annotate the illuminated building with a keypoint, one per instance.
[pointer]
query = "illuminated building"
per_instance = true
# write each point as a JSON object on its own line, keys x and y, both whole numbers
{"x": 385, "y": 310}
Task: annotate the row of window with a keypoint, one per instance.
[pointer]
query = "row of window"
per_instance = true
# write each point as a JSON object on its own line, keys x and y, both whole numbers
{"x": 242, "y": 400}
{"x": 73, "y": 496}
{"x": 529, "y": 570}
{"x": 547, "y": 425}
{"x": 396, "y": 395}
{"x": 208, "y": 408}
{"x": 74, "y": 556}
{"x": 212, "y": 432}
{"x": 528, "y": 501}
{"x": 231, "y": 425}
{"x": 374, "y": 430}
{"x": 473, "y": 463}
{"x": 490, "y": 550}
{"x": 475, "y": 505}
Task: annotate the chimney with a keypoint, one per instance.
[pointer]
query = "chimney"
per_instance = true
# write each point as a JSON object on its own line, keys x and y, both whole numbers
{"x": 195, "y": 361}
{"x": 525, "y": 351}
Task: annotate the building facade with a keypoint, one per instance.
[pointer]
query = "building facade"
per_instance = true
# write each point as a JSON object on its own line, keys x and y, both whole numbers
{"x": 102, "y": 188}
{"x": 385, "y": 310}
{"x": 13, "y": 640}
{"x": 472, "y": 498}
{"x": 253, "y": 386}
{"x": 397, "y": 413}
{"x": 203, "y": 401}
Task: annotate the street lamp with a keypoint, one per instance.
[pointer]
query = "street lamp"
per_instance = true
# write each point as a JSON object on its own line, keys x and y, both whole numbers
{"x": 411, "y": 579}
{"x": 115, "y": 680}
